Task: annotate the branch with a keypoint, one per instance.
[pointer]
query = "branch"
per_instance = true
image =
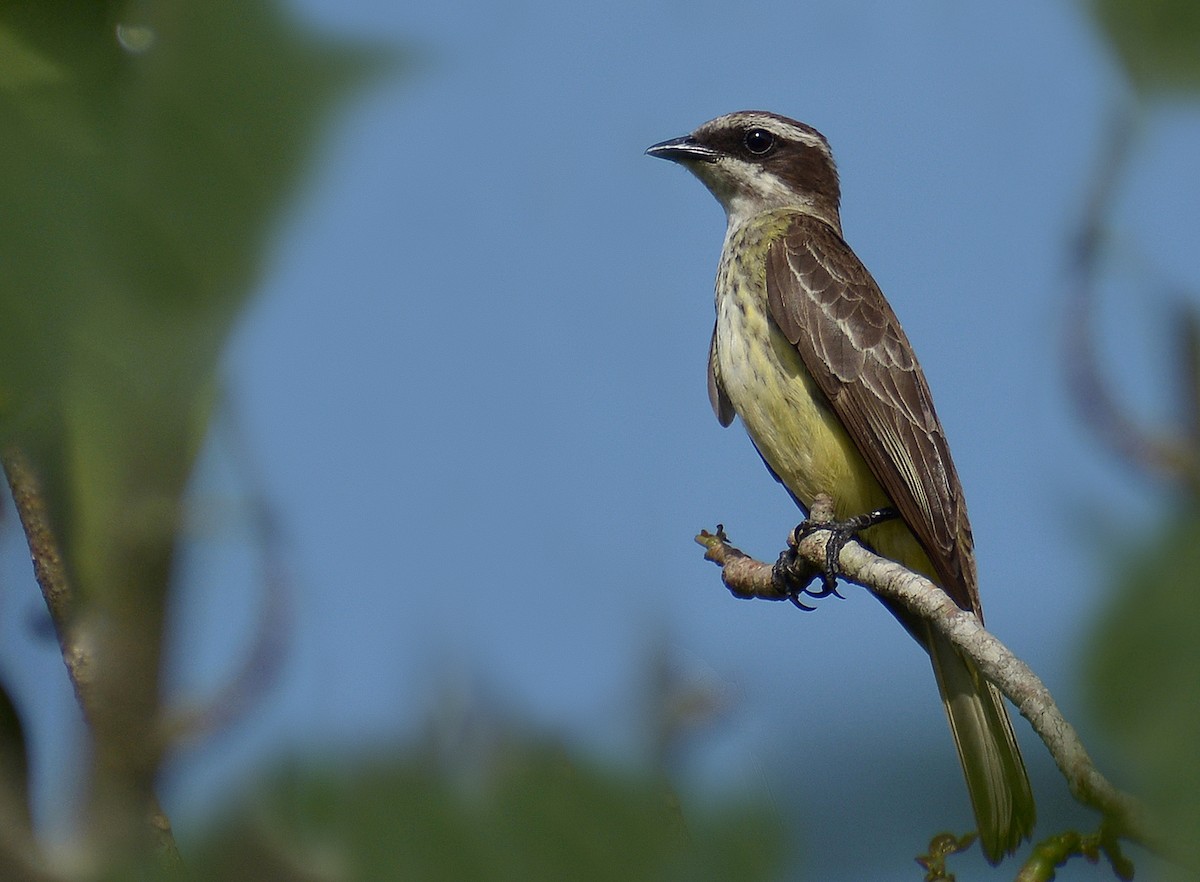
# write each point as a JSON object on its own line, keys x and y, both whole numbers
{"x": 1173, "y": 455}
{"x": 1122, "y": 814}
{"x": 48, "y": 567}
{"x": 259, "y": 670}
{"x": 1051, "y": 854}
{"x": 51, "y": 573}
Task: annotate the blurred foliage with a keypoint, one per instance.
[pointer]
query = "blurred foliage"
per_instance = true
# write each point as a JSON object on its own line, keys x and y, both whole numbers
{"x": 1143, "y": 664}
{"x": 1156, "y": 41}
{"x": 529, "y": 812}
{"x": 148, "y": 147}
{"x": 1144, "y": 680}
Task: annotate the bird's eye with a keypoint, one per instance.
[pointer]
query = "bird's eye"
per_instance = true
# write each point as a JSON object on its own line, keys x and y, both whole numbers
{"x": 759, "y": 141}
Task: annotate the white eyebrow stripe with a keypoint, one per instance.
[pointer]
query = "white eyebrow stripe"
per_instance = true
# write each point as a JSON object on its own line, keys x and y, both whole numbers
{"x": 806, "y": 135}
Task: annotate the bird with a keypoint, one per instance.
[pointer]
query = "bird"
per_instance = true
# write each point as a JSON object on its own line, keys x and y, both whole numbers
{"x": 808, "y": 353}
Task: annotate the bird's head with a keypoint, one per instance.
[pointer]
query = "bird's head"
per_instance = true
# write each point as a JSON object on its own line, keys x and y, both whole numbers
{"x": 754, "y": 161}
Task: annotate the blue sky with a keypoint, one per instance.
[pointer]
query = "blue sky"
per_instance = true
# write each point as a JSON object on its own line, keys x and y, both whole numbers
{"x": 473, "y": 389}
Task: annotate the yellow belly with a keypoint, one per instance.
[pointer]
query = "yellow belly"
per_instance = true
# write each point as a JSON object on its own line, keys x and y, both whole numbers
{"x": 786, "y": 415}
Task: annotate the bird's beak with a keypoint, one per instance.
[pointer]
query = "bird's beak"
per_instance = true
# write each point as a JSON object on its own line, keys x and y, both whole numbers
{"x": 685, "y": 149}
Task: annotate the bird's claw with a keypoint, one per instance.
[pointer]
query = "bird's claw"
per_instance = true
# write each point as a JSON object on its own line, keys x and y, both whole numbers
{"x": 840, "y": 532}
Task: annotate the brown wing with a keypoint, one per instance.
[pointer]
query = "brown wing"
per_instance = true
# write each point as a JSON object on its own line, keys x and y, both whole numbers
{"x": 826, "y": 303}
{"x": 721, "y": 404}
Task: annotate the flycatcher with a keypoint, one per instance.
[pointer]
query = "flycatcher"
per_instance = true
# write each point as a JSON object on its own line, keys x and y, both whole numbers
{"x": 809, "y": 354}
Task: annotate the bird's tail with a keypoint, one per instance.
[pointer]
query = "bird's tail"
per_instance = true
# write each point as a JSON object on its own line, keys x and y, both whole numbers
{"x": 987, "y": 749}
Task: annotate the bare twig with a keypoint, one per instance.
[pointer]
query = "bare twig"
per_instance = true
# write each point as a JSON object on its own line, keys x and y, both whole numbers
{"x": 1122, "y": 814}
{"x": 1162, "y": 453}
{"x": 48, "y": 566}
{"x": 1051, "y": 854}
{"x": 245, "y": 688}
{"x": 51, "y": 573}
{"x": 259, "y": 669}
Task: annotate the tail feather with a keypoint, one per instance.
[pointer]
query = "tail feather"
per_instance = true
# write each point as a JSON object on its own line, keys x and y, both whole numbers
{"x": 987, "y": 749}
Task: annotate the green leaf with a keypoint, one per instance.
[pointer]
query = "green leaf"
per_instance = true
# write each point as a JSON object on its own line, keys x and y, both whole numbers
{"x": 1157, "y": 42}
{"x": 148, "y": 148}
{"x": 1144, "y": 679}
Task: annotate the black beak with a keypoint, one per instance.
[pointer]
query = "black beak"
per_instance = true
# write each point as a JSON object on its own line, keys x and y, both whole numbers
{"x": 685, "y": 149}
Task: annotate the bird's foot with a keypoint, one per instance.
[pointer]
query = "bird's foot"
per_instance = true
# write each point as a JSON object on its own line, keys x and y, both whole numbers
{"x": 791, "y": 571}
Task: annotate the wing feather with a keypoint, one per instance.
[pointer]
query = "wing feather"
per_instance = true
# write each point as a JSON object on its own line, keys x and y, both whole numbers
{"x": 826, "y": 303}
{"x": 721, "y": 404}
